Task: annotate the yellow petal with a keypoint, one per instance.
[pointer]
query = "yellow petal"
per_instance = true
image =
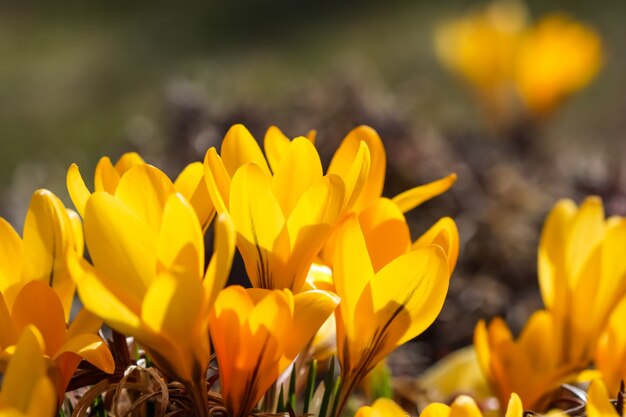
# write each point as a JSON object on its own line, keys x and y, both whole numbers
{"x": 386, "y": 232}
{"x": 21, "y": 382}
{"x": 217, "y": 180}
{"x": 144, "y": 189}
{"x": 412, "y": 198}
{"x": 77, "y": 231}
{"x": 239, "y": 148}
{"x": 259, "y": 222}
{"x": 127, "y": 161}
{"x": 180, "y": 247}
{"x": 10, "y": 260}
{"x": 8, "y": 332}
{"x": 91, "y": 348}
{"x": 444, "y": 234}
{"x": 309, "y": 225}
{"x": 357, "y": 175}
{"x": 84, "y": 322}
{"x": 48, "y": 235}
{"x": 436, "y": 410}
{"x": 464, "y": 406}
{"x": 79, "y": 193}
{"x": 353, "y": 269}
{"x": 275, "y": 144}
{"x": 598, "y": 403}
{"x": 311, "y": 309}
{"x": 222, "y": 259}
{"x": 345, "y": 156}
{"x": 515, "y": 407}
{"x": 121, "y": 245}
{"x": 586, "y": 231}
{"x": 191, "y": 184}
{"x": 388, "y": 408}
{"x": 408, "y": 293}
{"x": 299, "y": 168}
{"x": 106, "y": 176}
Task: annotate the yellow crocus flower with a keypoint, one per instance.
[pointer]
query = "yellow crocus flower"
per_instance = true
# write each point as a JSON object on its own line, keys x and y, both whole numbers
{"x": 464, "y": 406}
{"x": 598, "y": 401}
{"x": 50, "y": 233}
{"x": 190, "y": 183}
{"x": 257, "y": 333}
{"x": 382, "y": 407}
{"x": 556, "y": 58}
{"x": 65, "y": 346}
{"x": 26, "y": 388}
{"x": 148, "y": 278}
{"x": 383, "y": 304}
{"x": 282, "y": 219}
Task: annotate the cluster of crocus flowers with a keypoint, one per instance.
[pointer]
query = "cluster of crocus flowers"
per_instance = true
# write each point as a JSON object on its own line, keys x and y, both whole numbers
{"x": 582, "y": 276}
{"x": 514, "y": 64}
{"x": 324, "y": 252}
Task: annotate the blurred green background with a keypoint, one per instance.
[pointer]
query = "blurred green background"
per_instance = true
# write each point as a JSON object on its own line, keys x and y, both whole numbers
{"x": 168, "y": 78}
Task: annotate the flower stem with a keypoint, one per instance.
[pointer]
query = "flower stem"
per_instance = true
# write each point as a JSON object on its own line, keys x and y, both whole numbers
{"x": 199, "y": 397}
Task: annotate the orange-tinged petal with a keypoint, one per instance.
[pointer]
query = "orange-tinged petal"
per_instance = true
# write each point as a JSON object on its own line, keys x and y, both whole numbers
{"x": 299, "y": 168}
{"x": 106, "y": 177}
{"x": 344, "y": 157}
{"x": 217, "y": 180}
{"x": 91, "y": 348}
{"x": 121, "y": 245}
{"x": 309, "y": 225}
{"x": 408, "y": 293}
{"x": 180, "y": 247}
{"x": 482, "y": 348}
{"x": 239, "y": 148}
{"x": 10, "y": 258}
{"x": 144, "y": 189}
{"x": 444, "y": 234}
{"x": 221, "y": 262}
{"x": 8, "y": 332}
{"x": 412, "y": 198}
{"x": 48, "y": 235}
{"x": 385, "y": 230}
{"x": 275, "y": 144}
{"x": 127, "y": 161}
{"x": 48, "y": 316}
{"x": 259, "y": 222}
{"x": 79, "y": 193}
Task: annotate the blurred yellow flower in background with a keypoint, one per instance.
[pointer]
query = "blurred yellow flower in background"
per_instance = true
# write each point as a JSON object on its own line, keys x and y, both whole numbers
{"x": 464, "y": 406}
{"x": 257, "y": 333}
{"x": 26, "y": 388}
{"x": 519, "y": 70}
{"x": 382, "y": 407}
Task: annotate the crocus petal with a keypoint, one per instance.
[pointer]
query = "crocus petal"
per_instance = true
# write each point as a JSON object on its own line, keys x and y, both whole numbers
{"x": 181, "y": 244}
{"x": 48, "y": 235}
{"x": 8, "y": 332}
{"x": 412, "y": 198}
{"x": 191, "y": 184}
{"x": 48, "y": 316}
{"x": 309, "y": 225}
{"x": 408, "y": 293}
{"x": 259, "y": 221}
{"x": 222, "y": 259}
{"x": 91, "y": 348}
{"x": 385, "y": 230}
{"x": 84, "y": 322}
{"x": 20, "y": 387}
{"x": 217, "y": 180}
{"x": 106, "y": 177}
{"x": 10, "y": 257}
{"x": 121, "y": 245}
{"x": 76, "y": 225}
{"x": 598, "y": 403}
{"x": 275, "y": 144}
{"x": 436, "y": 410}
{"x": 388, "y": 408}
{"x": 444, "y": 234}
{"x": 299, "y": 168}
{"x": 515, "y": 407}
{"x": 239, "y": 148}
{"x": 345, "y": 156}
{"x": 464, "y": 406}
{"x": 144, "y": 189}
{"x": 127, "y": 161}
{"x": 79, "y": 193}
{"x": 357, "y": 175}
